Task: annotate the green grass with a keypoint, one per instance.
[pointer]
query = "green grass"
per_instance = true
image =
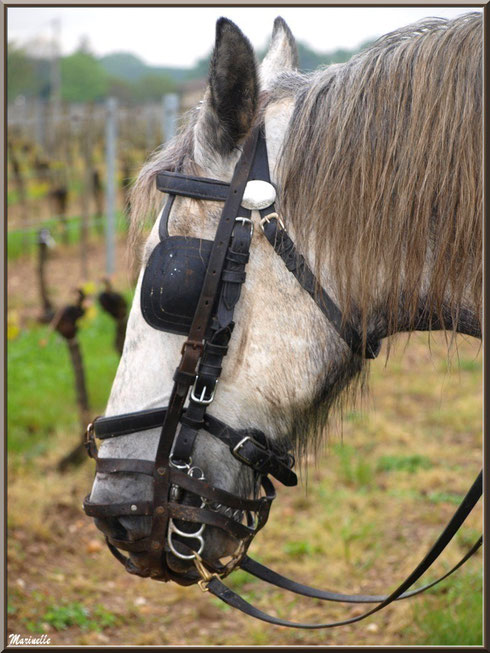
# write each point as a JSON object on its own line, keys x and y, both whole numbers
{"x": 460, "y": 622}
{"x": 64, "y": 615}
{"x": 403, "y": 463}
{"x": 41, "y": 394}
{"x": 354, "y": 469}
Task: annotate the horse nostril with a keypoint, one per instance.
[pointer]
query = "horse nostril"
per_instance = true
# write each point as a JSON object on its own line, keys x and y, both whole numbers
{"x": 136, "y": 528}
{"x": 128, "y": 529}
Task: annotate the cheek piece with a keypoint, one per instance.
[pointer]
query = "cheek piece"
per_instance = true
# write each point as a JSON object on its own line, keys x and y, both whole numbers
{"x": 190, "y": 287}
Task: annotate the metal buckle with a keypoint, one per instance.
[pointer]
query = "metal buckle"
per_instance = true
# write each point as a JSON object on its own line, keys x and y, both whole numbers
{"x": 238, "y": 455}
{"x": 194, "y": 344}
{"x": 201, "y": 400}
{"x": 206, "y": 575}
{"x": 269, "y": 217}
{"x": 246, "y": 221}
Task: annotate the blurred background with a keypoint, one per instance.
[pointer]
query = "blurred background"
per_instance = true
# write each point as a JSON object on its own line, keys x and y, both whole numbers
{"x": 91, "y": 92}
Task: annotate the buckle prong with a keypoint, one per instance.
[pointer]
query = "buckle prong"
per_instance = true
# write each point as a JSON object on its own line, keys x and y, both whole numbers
{"x": 201, "y": 400}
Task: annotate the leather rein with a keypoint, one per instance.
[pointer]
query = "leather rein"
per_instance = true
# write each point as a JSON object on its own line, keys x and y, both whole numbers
{"x": 182, "y": 498}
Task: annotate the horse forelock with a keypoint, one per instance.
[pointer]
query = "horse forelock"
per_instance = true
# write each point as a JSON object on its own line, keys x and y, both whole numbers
{"x": 391, "y": 175}
{"x": 145, "y": 199}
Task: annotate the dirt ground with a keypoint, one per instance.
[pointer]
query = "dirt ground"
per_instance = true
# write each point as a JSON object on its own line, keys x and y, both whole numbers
{"x": 351, "y": 528}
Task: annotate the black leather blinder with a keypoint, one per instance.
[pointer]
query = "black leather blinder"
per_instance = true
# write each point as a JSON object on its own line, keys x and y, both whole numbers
{"x": 172, "y": 283}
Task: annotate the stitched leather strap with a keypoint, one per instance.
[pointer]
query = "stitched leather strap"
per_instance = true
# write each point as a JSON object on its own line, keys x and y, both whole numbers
{"x": 197, "y": 187}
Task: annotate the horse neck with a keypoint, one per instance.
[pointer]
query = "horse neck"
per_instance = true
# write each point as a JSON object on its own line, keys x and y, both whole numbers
{"x": 457, "y": 316}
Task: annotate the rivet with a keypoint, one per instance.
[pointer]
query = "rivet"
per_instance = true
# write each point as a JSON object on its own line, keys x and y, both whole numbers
{"x": 159, "y": 510}
{"x": 134, "y": 507}
{"x": 161, "y": 471}
{"x": 155, "y": 545}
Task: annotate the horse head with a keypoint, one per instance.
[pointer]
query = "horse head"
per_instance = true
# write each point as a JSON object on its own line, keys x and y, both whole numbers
{"x": 274, "y": 352}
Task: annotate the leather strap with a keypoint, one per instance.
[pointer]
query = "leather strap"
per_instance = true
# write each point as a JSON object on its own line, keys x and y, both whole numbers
{"x": 256, "y": 451}
{"x": 273, "y": 578}
{"x": 296, "y": 264}
{"x": 200, "y": 188}
{"x": 221, "y": 591}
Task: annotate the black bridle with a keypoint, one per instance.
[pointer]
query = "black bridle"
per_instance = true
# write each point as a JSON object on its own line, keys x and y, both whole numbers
{"x": 202, "y": 309}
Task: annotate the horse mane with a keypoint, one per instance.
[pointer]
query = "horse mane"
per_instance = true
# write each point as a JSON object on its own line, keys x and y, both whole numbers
{"x": 381, "y": 165}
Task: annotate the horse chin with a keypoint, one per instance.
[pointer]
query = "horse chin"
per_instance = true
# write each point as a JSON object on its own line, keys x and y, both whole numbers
{"x": 183, "y": 571}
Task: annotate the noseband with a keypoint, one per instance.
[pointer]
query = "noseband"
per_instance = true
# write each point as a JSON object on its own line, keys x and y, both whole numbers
{"x": 191, "y": 287}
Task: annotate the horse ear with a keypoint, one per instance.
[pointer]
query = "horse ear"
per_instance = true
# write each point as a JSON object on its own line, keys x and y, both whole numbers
{"x": 231, "y": 98}
{"x": 282, "y": 55}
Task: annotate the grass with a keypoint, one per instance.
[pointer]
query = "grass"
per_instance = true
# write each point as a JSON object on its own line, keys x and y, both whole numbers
{"x": 67, "y": 614}
{"x": 460, "y": 622}
{"x": 403, "y": 463}
{"x": 39, "y": 367}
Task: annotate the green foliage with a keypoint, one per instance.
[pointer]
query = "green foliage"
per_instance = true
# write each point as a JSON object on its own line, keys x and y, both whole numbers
{"x": 83, "y": 79}
{"x": 124, "y": 75}
{"x": 460, "y": 624}
{"x": 124, "y": 65}
{"x": 21, "y": 75}
{"x": 403, "y": 463}
{"x": 152, "y": 87}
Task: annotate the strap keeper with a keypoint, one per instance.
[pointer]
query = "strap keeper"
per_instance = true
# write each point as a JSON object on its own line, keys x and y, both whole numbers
{"x": 233, "y": 276}
{"x": 192, "y": 423}
{"x": 186, "y": 378}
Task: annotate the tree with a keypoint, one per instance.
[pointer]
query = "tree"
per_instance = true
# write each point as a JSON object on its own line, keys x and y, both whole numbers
{"x": 21, "y": 73}
{"x": 83, "y": 79}
{"x": 152, "y": 87}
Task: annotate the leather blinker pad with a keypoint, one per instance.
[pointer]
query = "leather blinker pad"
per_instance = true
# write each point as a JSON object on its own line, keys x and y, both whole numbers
{"x": 172, "y": 283}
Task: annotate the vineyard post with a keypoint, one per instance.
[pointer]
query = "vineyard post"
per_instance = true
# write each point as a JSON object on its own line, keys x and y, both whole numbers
{"x": 86, "y": 136}
{"x": 111, "y": 183}
{"x": 170, "y": 108}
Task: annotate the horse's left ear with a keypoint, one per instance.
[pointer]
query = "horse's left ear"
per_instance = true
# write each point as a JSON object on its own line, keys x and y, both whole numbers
{"x": 282, "y": 55}
{"x": 231, "y": 98}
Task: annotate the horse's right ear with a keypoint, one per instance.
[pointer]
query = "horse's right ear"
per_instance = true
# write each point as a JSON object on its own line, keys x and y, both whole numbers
{"x": 282, "y": 55}
{"x": 231, "y": 98}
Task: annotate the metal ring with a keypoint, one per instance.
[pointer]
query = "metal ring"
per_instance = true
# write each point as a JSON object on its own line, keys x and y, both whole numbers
{"x": 201, "y": 476}
{"x": 177, "y": 466}
{"x": 195, "y": 536}
{"x": 189, "y": 534}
